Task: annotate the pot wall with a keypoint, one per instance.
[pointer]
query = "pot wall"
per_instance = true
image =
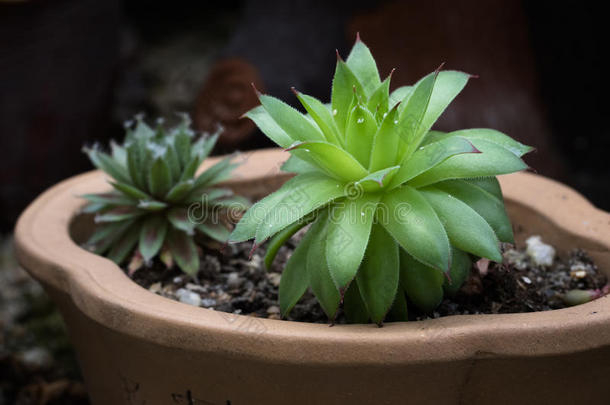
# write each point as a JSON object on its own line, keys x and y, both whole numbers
{"x": 139, "y": 348}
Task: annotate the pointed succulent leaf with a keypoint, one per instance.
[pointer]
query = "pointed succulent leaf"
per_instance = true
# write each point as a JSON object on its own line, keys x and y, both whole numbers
{"x": 311, "y": 194}
{"x": 348, "y": 236}
{"x": 111, "y": 198}
{"x": 485, "y": 204}
{"x": 182, "y": 143}
{"x": 466, "y": 229}
{"x": 379, "y": 179}
{"x": 489, "y": 184}
{"x": 295, "y": 278}
{"x": 460, "y": 270}
{"x": 180, "y": 219}
{"x": 412, "y": 113}
{"x": 93, "y": 208}
{"x": 344, "y": 85}
{"x": 166, "y": 256}
{"x": 213, "y": 194}
{"x": 399, "y": 311}
{"x": 423, "y": 284}
{"x": 118, "y": 214}
{"x": 486, "y": 134}
{"x": 282, "y": 237}
{"x": 106, "y": 234}
{"x": 361, "y": 62}
{"x": 173, "y": 162}
{"x": 448, "y": 85}
{"x": 320, "y": 281}
{"x": 179, "y": 191}
{"x": 159, "y": 178}
{"x": 189, "y": 171}
{"x": 142, "y": 130}
{"x": 130, "y": 191}
{"x": 296, "y": 165}
{"x": 235, "y": 203}
{"x": 119, "y": 154}
{"x": 201, "y": 149}
{"x": 431, "y": 155}
{"x": 379, "y": 274}
{"x": 137, "y": 163}
{"x": 385, "y": 144}
{"x": 332, "y": 159}
{"x": 108, "y": 165}
{"x": 246, "y": 228}
{"x": 269, "y": 127}
{"x": 359, "y": 134}
{"x": 152, "y": 236}
{"x": 152, "y": 205}
{"x": 290, "y": 120}
{"x": 353, "y": 306}
{"x": 184, "y": 251}
{"x": 493, "y": 160}
{"x": 322, "y": 117}
{"x": 215, "y": 174}
{"x": 410, "y": 219}
{"x": 378, "y": 102}
{"x": 121, "y": 248}
{"x": 399, "y": 95}
{"x": 214, "y": 230}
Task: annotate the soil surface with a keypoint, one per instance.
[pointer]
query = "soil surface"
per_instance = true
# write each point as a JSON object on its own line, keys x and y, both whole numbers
{"x": 229, "y": 281}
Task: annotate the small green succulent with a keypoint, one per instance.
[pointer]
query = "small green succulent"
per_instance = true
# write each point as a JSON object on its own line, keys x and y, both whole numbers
{"x": 392, "y": 204}
{"x": 158, "y": 204}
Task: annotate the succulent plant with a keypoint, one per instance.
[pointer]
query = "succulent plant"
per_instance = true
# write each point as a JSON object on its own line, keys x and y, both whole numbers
{"x": 396, "y": 209}
{"x": 158, "y": 204}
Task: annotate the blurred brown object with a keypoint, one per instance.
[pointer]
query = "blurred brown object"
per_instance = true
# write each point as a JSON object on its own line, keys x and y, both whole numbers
{"x": 226, "y": 95}
{"x": 489, "y": 39}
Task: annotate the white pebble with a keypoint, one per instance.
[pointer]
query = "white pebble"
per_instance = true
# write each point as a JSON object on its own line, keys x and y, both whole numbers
{"x": 233, "y": 280}
{"x": 539, "y": 252}
{"x": 188, "y": 297}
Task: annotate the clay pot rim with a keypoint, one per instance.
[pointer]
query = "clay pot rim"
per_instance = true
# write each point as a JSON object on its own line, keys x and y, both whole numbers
{"x": 106, "y": 295}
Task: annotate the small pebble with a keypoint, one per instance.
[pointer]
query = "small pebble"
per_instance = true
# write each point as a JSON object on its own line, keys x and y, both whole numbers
{"x": 256, "y": 262}
{"x": 539, "y": 252}
{"x": 208, "y": 302}
{"x": 578, "y": 271}
{"x": 36, "y": 358}
{"x": 577, "y": 297}
{"x": 188, "y": 297}
{"x": 196, "y": 287}
{"x": 155, "y": 288}
{"x": 273, "y": 309}
{"x": 274, "y": 278}
{"x": 234, "y": 280}
{"x": 516, "y": 258}
{"x": 526, "y": 280}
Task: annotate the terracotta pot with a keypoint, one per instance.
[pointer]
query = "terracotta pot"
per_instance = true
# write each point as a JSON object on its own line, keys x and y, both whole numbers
{"x": 136, "y": 347}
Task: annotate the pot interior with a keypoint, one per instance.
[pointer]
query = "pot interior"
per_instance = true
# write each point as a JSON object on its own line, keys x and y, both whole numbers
{"x": 526, "y": 222}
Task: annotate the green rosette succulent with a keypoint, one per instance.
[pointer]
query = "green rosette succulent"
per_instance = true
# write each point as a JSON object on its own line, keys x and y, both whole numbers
{"x": 396, "y": 209}
{"x": 159, "y": 204}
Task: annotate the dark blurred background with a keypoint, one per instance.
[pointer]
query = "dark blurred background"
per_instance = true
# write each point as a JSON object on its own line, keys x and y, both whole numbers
{"x": 71, "y": 71}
